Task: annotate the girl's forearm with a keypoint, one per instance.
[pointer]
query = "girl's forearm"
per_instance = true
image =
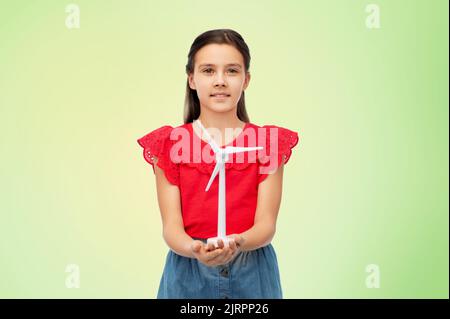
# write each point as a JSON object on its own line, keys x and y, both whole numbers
{"x": 178, "y": 240}
{"x": 259, "y": 235}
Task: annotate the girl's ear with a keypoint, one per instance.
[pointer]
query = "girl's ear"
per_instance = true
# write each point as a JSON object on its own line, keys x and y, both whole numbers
{"x": 191, "y": 81}
{"x": 247, "y": 80}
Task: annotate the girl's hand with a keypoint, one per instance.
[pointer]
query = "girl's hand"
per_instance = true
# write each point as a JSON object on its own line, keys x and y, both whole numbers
{"x": 211, "y": 256}
{"x": 238, "y": 239}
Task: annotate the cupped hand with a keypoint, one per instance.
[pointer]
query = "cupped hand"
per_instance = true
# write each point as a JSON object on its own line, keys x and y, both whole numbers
{"x": 212, "y": 256}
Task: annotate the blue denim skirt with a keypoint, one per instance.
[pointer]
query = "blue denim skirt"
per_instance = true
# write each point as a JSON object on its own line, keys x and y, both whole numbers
{"x": 251, "y": 274}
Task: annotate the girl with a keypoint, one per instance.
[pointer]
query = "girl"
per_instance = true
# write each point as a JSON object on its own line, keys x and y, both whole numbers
{"x": 244, "y": 263}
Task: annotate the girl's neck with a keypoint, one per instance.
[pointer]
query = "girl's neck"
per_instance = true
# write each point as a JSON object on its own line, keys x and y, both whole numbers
{"x": 221, "y": 121}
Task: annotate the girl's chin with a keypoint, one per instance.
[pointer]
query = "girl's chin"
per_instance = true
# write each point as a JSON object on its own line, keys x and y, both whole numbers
{"x": 220, "y": 107}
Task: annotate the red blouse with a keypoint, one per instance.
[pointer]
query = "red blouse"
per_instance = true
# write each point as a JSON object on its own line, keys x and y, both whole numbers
{"x": 188, "y": 162}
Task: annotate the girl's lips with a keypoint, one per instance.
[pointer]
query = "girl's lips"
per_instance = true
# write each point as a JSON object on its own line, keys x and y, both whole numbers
{"x": 220, "y": 96}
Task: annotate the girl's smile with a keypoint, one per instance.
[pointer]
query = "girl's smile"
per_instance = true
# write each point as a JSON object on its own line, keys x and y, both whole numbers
{"x": 220, "y": 97}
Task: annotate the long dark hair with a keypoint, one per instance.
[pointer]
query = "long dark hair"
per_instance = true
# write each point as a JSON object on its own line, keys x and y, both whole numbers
{"x": 219, "y": 36}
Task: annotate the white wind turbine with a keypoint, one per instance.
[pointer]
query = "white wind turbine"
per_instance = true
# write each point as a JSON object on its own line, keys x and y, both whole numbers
{"x": 222, "y": 155}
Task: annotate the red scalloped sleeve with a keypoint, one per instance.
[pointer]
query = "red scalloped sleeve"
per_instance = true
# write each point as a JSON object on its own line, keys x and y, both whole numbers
{"x": 156, "y": 145}
{"x": 273, "y": 155}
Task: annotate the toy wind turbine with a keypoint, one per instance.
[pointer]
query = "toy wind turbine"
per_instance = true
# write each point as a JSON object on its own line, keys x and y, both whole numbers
{"x": 222, "y": 155}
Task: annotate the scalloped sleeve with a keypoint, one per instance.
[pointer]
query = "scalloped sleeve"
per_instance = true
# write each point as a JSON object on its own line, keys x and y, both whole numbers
{"x": 279, "y": 142}
{"x": 156, "y": 147}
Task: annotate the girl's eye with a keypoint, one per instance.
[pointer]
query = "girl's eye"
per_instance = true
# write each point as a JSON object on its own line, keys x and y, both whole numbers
{"x": 209, "y": 70}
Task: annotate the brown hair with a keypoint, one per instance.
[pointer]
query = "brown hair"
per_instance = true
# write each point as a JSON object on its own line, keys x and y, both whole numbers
{"x": 219, "y": 36}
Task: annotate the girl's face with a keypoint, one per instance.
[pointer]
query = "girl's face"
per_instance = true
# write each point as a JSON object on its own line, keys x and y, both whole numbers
{"x": 219, "y": 68}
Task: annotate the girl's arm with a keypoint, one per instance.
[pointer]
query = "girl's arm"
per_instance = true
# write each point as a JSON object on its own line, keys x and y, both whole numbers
{"x": 170, "y": 207}
{"x": 268, "y": 204}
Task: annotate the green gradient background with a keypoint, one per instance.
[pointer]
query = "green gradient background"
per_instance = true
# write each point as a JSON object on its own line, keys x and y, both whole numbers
{"x": 367, "y": 184}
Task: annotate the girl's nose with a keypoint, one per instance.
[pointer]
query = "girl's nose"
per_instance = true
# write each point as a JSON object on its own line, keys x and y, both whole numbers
{"x": 219, "y": 79}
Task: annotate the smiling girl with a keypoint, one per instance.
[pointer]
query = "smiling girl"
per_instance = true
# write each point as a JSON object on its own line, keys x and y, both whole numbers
{"x": 243, "y": 264}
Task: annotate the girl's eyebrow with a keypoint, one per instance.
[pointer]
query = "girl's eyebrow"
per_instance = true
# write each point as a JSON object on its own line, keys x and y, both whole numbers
{"x": 230, "y": 64}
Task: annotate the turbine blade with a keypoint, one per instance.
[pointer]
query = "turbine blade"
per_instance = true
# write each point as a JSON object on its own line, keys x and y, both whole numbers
{"x": 234, "y": 149}
{"x": 214, "y": 146}
{"x": 213, "y": 175}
